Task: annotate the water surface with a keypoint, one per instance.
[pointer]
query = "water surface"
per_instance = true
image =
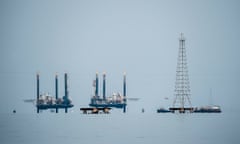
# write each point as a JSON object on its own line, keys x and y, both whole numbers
{"x": 118, "y": 128}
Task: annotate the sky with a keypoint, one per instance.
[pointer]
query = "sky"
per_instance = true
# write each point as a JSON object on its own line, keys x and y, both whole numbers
{"x": 139, "y": 37}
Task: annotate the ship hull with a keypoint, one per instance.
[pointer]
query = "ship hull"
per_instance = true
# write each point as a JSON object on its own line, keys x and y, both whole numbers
{"x": 163, "y": 111}
{"x": 108, "y": 105}
{"x": 208, "y": 109}
{"x": 54, "y": 106}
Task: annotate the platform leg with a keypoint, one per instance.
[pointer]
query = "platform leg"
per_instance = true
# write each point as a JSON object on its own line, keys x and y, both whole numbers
{"x": 124, "y": 109}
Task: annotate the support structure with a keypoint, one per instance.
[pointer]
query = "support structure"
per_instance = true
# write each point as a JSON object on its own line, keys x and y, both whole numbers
{"x": 56, "y": 89}
{"x": 104, "y": 86}
{"x": 96, "y": 84}
{"x": 66, "y": 89}
{"x": 182, "y": 101}
{"x": 124, "y": 92}
{"x": 38, "y": 94}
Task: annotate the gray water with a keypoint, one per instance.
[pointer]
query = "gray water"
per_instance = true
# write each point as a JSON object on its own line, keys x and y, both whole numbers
{"x": 118, "y": 128}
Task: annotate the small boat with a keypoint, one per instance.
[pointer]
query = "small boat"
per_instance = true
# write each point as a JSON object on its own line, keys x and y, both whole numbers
{"x": 105, "y": 110}
{"x": 163, "y": 110}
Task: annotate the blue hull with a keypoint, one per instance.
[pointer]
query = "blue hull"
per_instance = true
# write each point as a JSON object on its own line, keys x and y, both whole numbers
{"x": 163, "y": 111}
{"x": 54, "y": 106}
{"x": 108, "y": 105}
{"x": 207, "y": 111}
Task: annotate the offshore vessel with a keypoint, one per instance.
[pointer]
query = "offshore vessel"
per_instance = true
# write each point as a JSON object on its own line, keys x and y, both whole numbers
{"x": 115, "y": 101}
{"x": 208, "y": 109}
{"x": 46, "y": 101}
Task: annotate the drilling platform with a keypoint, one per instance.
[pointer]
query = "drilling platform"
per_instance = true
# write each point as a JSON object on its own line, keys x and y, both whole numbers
{"x": 46, "y": 101}
{"x": 182, "y": 101}
{"x": 115, "y": 101}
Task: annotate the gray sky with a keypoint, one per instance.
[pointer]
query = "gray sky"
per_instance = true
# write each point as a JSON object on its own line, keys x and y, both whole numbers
{"x": 139, "y": 37}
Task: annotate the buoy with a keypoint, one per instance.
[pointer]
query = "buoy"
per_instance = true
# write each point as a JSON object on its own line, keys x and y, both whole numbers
{"x": 14, "y": 111}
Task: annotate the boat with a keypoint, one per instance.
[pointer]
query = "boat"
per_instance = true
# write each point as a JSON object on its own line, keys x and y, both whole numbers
{"x": 163, "y": 110}
{"x": 208, "y": 109}
{"x": 90, "y": 110}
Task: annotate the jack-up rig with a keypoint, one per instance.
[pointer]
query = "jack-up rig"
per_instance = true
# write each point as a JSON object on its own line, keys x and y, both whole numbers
{"x": 45, "y": 101}
{"x": 115, "y": 101}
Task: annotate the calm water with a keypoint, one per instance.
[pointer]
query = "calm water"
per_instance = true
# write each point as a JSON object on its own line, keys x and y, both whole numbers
{"x": 115, "y": 128}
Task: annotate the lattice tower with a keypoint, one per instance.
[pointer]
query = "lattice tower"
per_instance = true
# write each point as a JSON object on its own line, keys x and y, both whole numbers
{"x": 182, "y": 85}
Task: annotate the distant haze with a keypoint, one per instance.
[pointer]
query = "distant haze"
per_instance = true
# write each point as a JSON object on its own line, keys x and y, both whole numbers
{"x": 137, "y": 37}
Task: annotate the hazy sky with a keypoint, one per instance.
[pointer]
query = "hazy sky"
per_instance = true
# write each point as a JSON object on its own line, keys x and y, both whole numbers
{"x": 137, "y": 37}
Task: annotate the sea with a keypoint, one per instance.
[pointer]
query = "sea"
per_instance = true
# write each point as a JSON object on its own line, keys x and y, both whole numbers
{"x": 119, "y": 128}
